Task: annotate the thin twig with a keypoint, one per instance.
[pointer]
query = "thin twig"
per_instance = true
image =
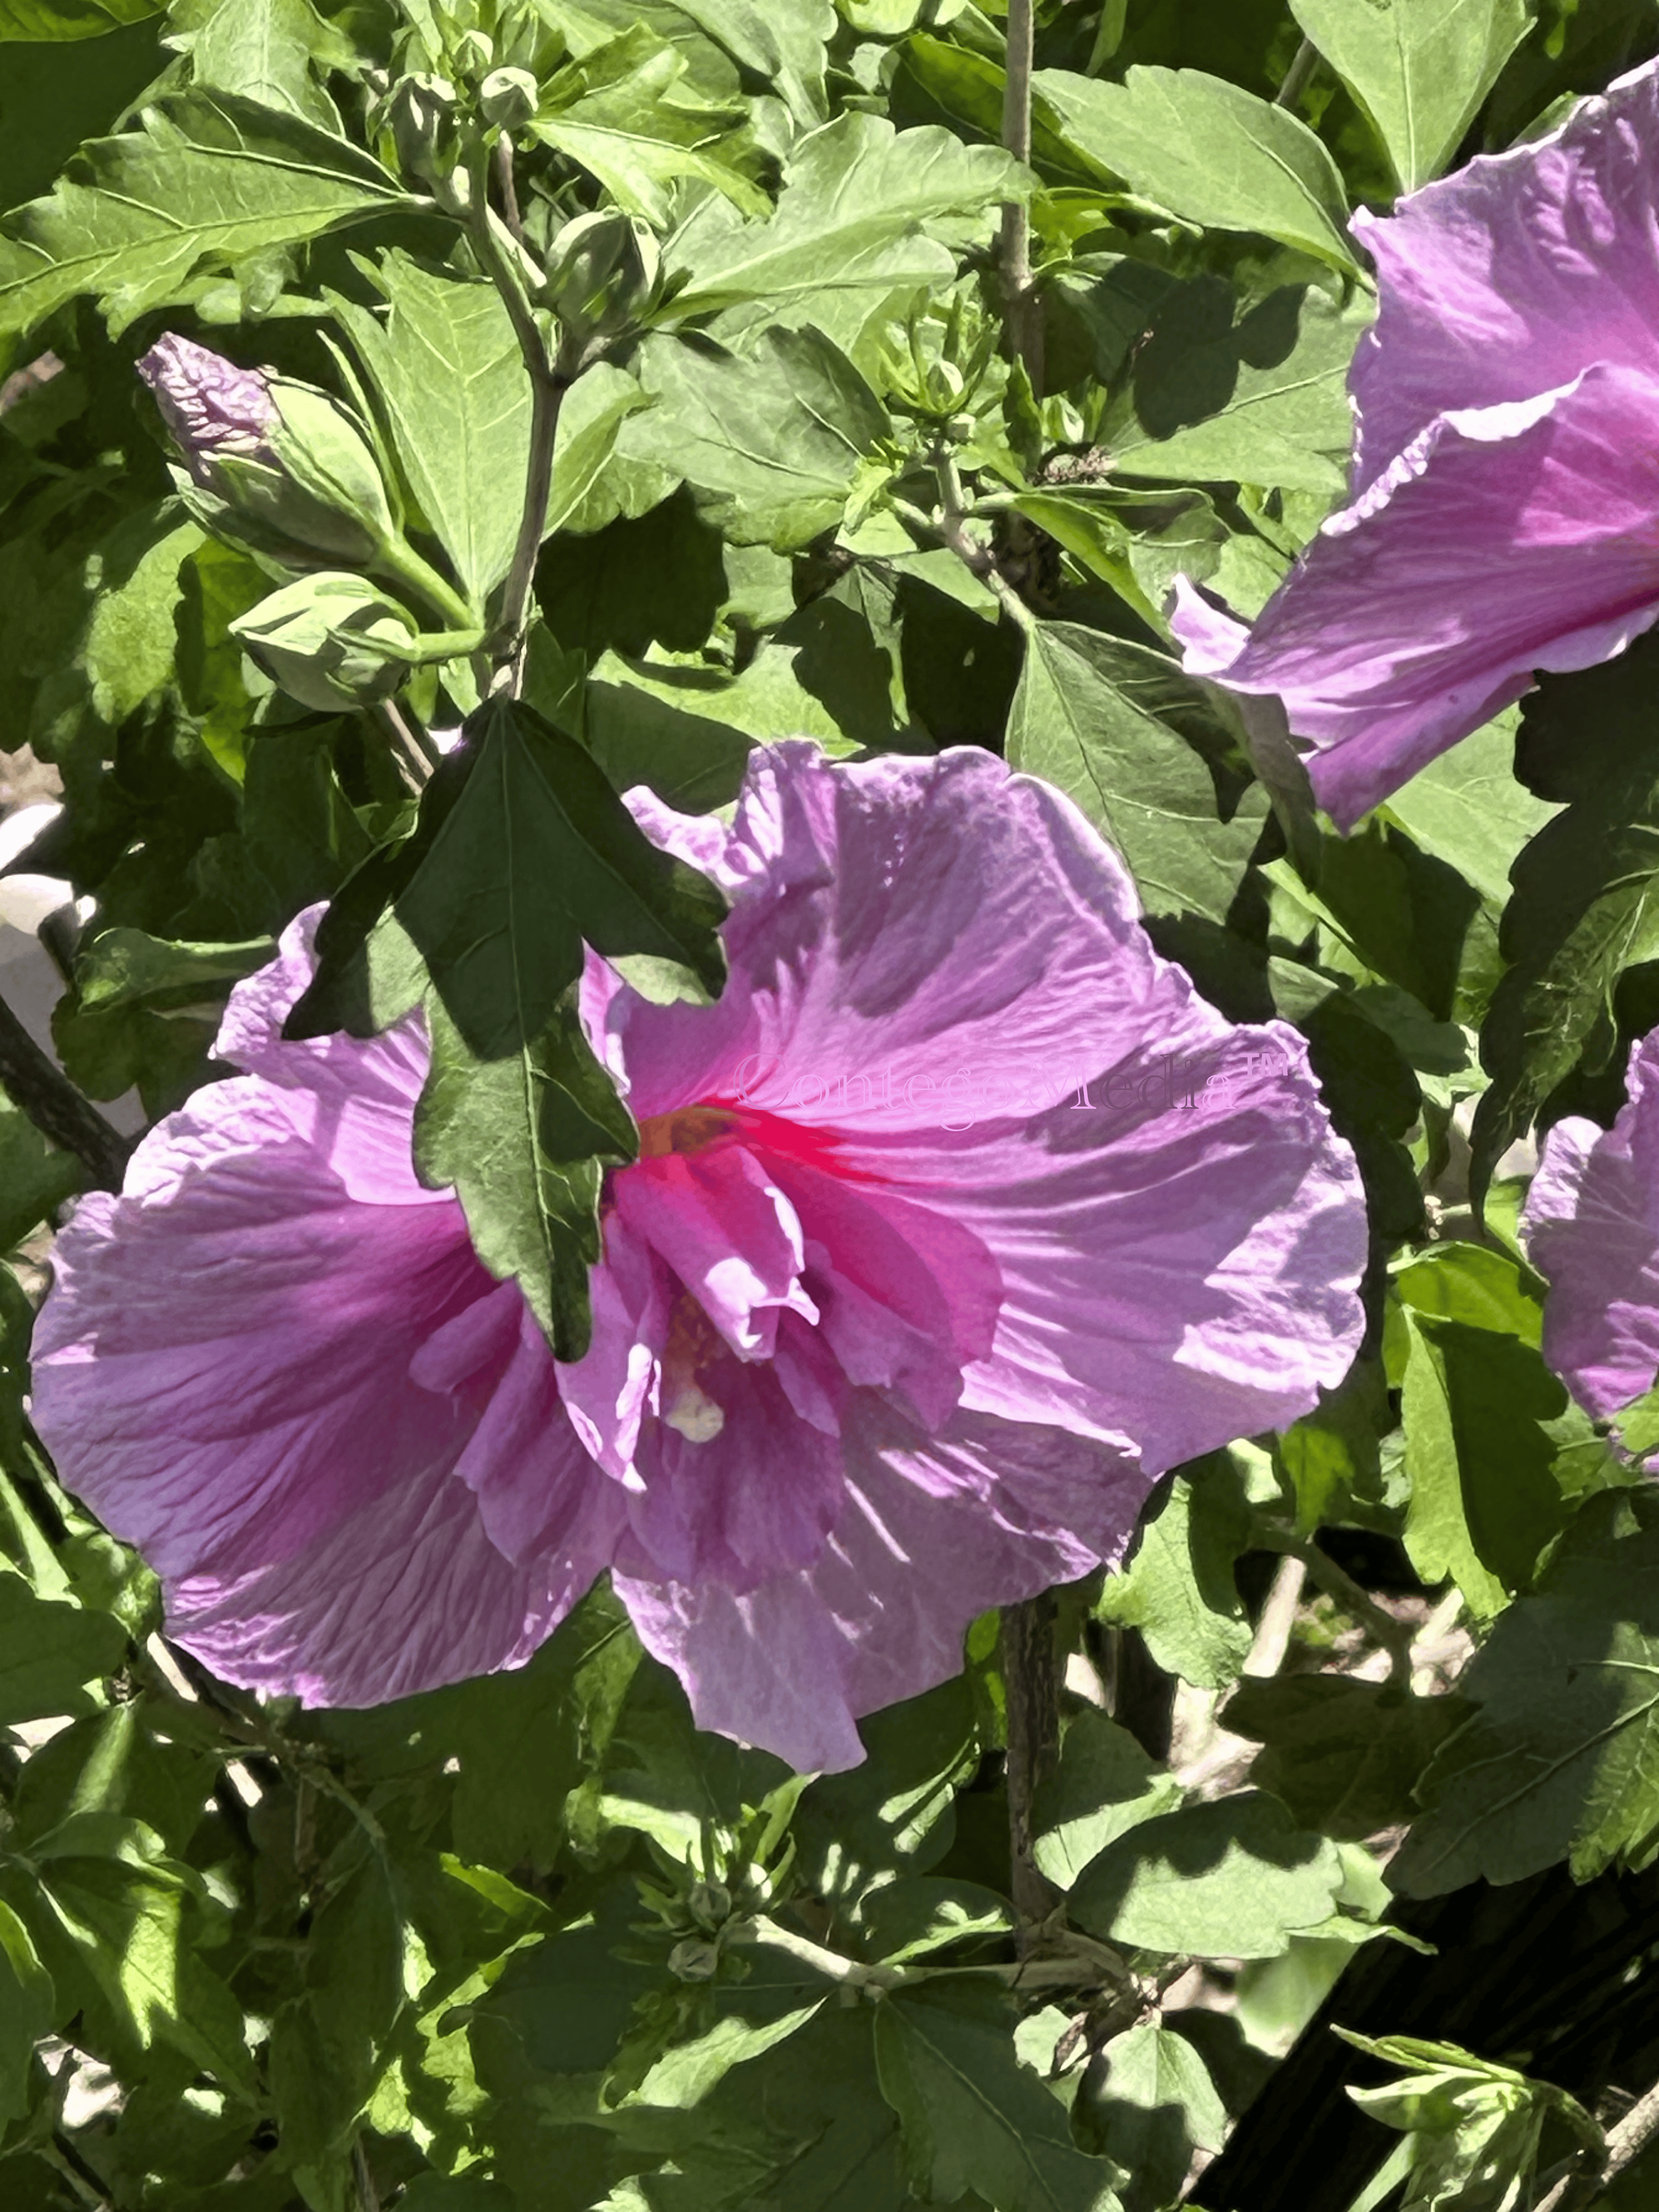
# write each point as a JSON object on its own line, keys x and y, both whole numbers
{"x": 953, "y": 529}
{"x": 36, "y": 1085}
{"x": 1022, "y": 306}
{"x": 1395, "y": 1636}
{"x": 548, "y": 382}
{"x": 1296, "y": 78}
{"x": 367, "y": 2196}
{"x": 414, "y": 751}
{"x": 1625, "y": 2144}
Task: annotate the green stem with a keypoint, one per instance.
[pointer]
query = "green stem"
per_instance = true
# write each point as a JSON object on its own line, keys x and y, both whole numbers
{"x": 402, "y": 562}
{"x": 953, "y": 529}
{"x": 1296, "y": 76}
{"x": 548, "y": 382}
{"x": 1021, "y": 308}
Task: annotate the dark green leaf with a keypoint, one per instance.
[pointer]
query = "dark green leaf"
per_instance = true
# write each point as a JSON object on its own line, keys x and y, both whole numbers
{"x": 1345, "y": 1757}
{"x": 1559, "y": 1760}
{"x": 35, "y": 1177}
{"x": 974, "y": 2117}
{"x": 535, "y": 855}
{"x": 1105, "y": 1785}
{"x": 1177, "y": 1585}
{"x": 1139, "y": 747}
{"x": 524, "y": 1140}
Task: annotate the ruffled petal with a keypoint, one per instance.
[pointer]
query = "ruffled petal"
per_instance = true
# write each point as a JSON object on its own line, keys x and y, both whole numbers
{"x": 1503, "y": 540}
{"x": 1591, "y": 1228}
{"x": 1180, "y": 1258}
{"x": 901, "y": 932}
{"x": 934, "y": 1530}
{"x": 355, "y": 1096}
{"x": 227, "y": 1370}
{"x": 1504, "y": 280}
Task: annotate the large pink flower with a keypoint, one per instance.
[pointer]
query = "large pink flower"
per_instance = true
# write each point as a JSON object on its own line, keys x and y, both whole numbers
{"x": 957, "y": 1221}
{"x": 1591, "y": 1229}
{"x": 1504, "y": 515}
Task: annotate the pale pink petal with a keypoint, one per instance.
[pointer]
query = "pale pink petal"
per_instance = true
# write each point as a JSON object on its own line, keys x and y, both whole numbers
{"x": 1591, "y": 1228}
{"x": 910, "y": 929}
{"x": 224, "y": 1371}
{"x": 1505, "y": 279}
{"x": 1502, "y": 541}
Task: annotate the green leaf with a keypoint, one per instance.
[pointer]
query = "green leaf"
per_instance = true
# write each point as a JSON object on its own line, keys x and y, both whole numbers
{"x": 35, "y": 1177}
{"x": 536, "y": 854}
{"x": 48, "y": 1650}
{"x": 1585, "y": 903}
{"x": 1469, "y": 808}
{"x": 1343, "y": 1756}
{"x": 271, "y": 51}
{"x": 70, "y": 19}
{"x": 130, "y": 1913}
{"x": 1561, "y": 1759}
{"x": 1104, "y": 1785}
{"x": 446, "y": 369}
{"x": 1418, "y": 68}
{"x": 624, "y": 114}
{"x": 1209, "y": 152}
{"x": 1140, "y": 748}
{"x": 130, "y": 968}
{"x": 896, "y": 1810}
{"x": 863, "y": 208}
{"x": 1233, "y": 1878}
{"x": 773, "y": 438}
{"x": 26, "y": 2012}
{"x": 1148, "y": 2101}
{"x": 589, "y": 489}
{"x": 54, "y": 95}
{"x": 1485, "y": 1502}
{"x": 524, "y": 1140}
{"x": 1178, "y": 1585}
{"x": 974, "y": 2117}
{"x": 326, "y": 2047}
{"x": 1262, "y": 401}
{"x": 208, "y": 180}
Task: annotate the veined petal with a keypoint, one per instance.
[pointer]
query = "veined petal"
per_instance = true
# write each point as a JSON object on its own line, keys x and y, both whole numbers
{"x": 1503, "y": 540}
{"x": 1507, "y": 278}
{"x": 1591, "y": 1229}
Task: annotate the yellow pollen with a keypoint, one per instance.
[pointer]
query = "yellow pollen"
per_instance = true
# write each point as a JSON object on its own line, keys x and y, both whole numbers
{"x": 687, "y": 1130}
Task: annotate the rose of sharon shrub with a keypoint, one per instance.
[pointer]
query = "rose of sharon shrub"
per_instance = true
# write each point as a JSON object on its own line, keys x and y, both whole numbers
{"x": 957, "y": 1221}
{"x": 1504, "y": 514}
{"x": 1591, "y": 1228}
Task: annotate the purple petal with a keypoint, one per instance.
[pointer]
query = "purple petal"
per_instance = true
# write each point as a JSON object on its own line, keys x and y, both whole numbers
{"x": 208, "y": 405}
{"x": 1508, "y": 278}
{"x": 1591, "y": 1228}
{"x": 1503, "y": 541}
{"x": 901, "y": 933}
{"x": 224, "y": 1370}
{"x": 934, "y": 1531}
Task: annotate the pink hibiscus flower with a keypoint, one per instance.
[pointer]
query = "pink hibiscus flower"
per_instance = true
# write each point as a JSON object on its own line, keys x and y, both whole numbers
{"x": 957, "y": 1221}
{"x": 1504, "y": 514}
{"x": 1591, "y": 1228}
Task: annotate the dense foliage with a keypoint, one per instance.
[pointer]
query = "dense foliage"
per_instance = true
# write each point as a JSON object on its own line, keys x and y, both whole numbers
{"x": 842, "y": 419}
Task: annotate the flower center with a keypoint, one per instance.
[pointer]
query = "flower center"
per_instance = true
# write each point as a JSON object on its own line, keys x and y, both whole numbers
{"x": 693, "y": 1345}
{"x": 688, "y": 1129}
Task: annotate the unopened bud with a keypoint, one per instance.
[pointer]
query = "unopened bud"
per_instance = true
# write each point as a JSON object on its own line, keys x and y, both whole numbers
{"x": 332, "y": 640}
{"x": 508, "y": 98}
{"x": 601, "y": 272}
{"x": 271, "y": 465}
{"x": 693, "y": 1960}
{"x": 421, "y": 114}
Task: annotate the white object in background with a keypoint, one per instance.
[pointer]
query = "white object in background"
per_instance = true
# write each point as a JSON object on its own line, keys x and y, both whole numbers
{"x": 28, "y": 975}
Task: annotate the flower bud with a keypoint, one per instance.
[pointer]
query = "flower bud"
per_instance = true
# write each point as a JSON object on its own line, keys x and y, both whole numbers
{"x": 601, "y": 272}
{"x": 508, "y": 98}
{"x": 332, "y": 640}
{"x": 421, "y": 114}
{"x": 271, "y": 465}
